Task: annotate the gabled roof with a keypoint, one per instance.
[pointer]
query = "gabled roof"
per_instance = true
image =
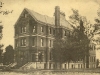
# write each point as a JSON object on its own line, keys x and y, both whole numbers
{"x": 46, "y": 19}
{"x": 41, "y": 18}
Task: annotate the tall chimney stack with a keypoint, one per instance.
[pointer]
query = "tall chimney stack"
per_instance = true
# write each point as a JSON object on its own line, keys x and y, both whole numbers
{"x": 57, "y": 16}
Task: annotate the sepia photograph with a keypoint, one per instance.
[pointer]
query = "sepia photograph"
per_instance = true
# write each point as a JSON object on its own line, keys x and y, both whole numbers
{"x": 49, "y": 37}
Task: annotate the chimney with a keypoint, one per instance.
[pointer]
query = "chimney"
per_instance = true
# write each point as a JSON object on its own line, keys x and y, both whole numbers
{"x": 57, "y": 16}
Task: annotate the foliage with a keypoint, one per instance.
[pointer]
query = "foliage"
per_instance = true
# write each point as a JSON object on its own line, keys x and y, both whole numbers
{"x": 8, "y": 55}
{"x": 97, "y": 26}
{"x": 1, "y": 27}
{"x": 80, "y": 40}
{"x": 97, "y": 20}
{"x": 1, "y": 45}
{"x": 73, "y": 47}
{"x": 1, "y": 53}
{"x": 97, "y": 64}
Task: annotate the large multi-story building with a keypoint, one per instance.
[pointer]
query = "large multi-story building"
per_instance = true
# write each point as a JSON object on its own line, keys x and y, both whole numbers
{"x": 34, "y": 36}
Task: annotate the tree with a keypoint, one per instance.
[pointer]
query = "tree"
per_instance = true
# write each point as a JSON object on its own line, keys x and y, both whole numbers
{"x": 8, "y": 55}
{"x": 97, "y": 20}
{"x": 1, "y": 45}
{"x": 97, "y": 27}
{"x": 97, "y": 63}
{"x": 1, "y": 53}
{"x": 83, "y": 40}
{"x": 73, "y": 47}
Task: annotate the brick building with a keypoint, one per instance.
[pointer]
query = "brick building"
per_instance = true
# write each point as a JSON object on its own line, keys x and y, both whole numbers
{"x": 34, "y": 36}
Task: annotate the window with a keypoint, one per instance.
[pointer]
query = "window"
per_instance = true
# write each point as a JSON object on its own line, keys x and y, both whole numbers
{"x": 90, "y": 59}
{"x": 72, "y": 66}
{"x": 40, "y": 56}
{"x": 65, "y": 66}
{"x": 33, "y": 42}
{"x": 80, "y": 59}
{"x": 50, "y": 30}
{"x": 23, "y": 29}
{"x": 64, "y": 33}
{"x": 50, "y": 44}
{"x": 53, "y": 31}
{"x": 33, "y": 29}
{"x": 16, "y": 43}
{"x": 81, "y": 65}
{"x": 26, "y": 15}
{"x": 78, "y": 65}
{"x": 23, "y": 42}
{"x": 69, "y": 34}
{"x": 41, "y": 28}
{"x": 50, "y": 56}
{"x": 94, "y": 47}
{"x": 42, "y": 44}
{"x": 21, "y": 55}
{"x": 33, "y": 57}
{"x": 94, "y": 59}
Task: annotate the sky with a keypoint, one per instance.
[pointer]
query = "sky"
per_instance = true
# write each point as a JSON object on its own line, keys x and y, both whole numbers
{"x": 86, "y": 8}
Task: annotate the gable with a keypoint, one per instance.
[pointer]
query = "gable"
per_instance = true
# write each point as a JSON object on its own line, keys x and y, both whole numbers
{"x": 23, "y": 15}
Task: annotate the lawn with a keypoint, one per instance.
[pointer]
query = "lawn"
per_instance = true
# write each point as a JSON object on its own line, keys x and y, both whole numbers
{"x": 47, "y": 73}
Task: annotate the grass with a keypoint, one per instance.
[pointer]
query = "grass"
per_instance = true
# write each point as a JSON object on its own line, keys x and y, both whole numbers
{"x": 53, "y": 72}
{"x": 48, "y": 73}
{"x": 97, "y": 70}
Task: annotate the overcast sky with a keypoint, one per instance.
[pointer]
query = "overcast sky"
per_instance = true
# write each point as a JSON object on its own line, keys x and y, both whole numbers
{"x": 86, "y": 8}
